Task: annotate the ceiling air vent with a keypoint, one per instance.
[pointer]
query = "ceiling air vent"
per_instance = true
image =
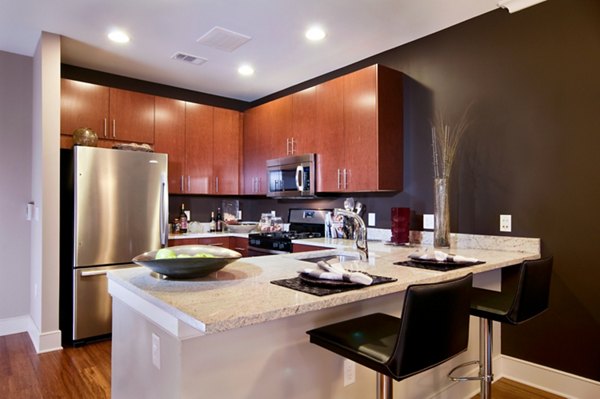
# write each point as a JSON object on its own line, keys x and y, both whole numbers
{"x": 192, "y": 59}
{"x": 223, "y": 39}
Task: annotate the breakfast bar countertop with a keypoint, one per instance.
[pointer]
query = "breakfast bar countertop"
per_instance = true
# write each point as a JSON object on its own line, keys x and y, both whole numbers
{"x": 241, "y": 294}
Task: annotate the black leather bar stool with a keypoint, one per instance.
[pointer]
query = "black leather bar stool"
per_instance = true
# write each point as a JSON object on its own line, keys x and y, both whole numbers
{"x": 434, "y": 328}
{"x": 513, "y": 305}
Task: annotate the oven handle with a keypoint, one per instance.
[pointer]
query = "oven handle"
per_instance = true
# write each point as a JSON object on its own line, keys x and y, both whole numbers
{"x": 300, "y": 178}
{"x": 267, "y": 251}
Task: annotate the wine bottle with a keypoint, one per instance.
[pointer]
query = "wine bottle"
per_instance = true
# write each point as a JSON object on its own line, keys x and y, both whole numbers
{"x": 213, "y": 223}
{"x": 219, "y": 220}
{"x": 183, "y": 220}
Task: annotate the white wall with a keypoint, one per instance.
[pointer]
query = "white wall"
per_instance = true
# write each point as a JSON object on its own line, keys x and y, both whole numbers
{"x": 15, "y": 189}
{"x": 44, "y": 282}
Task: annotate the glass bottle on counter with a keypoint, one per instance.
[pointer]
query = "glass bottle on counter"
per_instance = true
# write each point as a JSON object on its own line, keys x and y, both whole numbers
{"x": 213, "y": 223}
{"x": 219, "y": 220}
{"x": 183, "y": 222}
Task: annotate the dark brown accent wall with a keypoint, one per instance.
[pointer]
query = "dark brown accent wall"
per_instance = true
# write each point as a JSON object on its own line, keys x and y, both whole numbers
{"x": 532, "y": 151}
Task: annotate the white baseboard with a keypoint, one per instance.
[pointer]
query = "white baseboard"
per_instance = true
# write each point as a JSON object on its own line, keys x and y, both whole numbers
{"x": 14, "y": 325}
{"x": 44, "y": 342}
{"x": 546, "y": 378}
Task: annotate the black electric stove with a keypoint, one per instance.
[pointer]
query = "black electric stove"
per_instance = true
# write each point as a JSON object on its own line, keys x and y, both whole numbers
{"x": 304, "y": 223}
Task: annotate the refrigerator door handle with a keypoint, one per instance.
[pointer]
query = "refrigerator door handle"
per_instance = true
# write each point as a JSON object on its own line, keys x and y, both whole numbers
{"x": 93, "y": 273}
{"x": 164, "y": 211}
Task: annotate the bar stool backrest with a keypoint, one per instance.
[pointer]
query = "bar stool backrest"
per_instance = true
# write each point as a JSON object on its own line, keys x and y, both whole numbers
{"x": 533, "y": 290}
{"x": 434, "y": 326}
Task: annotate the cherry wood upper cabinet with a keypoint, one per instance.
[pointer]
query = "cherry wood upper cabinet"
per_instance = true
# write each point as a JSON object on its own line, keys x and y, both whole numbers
{"x": 114, "y": 114}
{"x": 279, "y": 126}
{"x": 83, "y": 105}
{"x": 257, "y": 149}
{"x": 304, "y": 121}
{"x": 131, "y": 116}
{"x": 226, "y": 152}
{"x": 329, "y": 142}
{"x": 169, "y": 138}
{"x": 372, "y": 139}
{"x": 199, "y": 147}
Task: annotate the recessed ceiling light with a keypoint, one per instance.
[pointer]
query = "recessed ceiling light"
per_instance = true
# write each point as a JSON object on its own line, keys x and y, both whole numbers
{"x": 315, "y": 33}
{"x": 118, "y": 36}
{"x": 246, "y": 70}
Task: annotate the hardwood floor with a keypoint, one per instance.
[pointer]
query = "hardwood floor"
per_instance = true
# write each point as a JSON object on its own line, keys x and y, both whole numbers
{"x": 84, "y": 372}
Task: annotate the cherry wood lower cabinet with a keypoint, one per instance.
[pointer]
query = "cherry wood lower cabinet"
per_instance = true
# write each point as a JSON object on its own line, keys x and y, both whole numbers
{"x": 183, "y": 241}
{"x": 306, "y": 248}
{"x": 239, "y": 244}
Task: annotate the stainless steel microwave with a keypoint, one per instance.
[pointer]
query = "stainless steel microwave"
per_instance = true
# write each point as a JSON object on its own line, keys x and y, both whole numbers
{"x": 291, "y": 177}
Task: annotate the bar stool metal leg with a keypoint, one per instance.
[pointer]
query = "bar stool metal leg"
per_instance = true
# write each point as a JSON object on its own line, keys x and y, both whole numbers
{"x": 485, "y": 360}
{"x": 384, "y": 387}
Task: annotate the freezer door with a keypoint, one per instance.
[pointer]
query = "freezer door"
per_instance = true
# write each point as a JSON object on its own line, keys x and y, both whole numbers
{"x": 92, "y": 304}
{"x": 120, "y": 204}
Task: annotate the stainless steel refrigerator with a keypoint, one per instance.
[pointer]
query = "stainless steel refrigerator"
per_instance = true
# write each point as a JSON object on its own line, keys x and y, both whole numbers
{"x": 119, "y": 209}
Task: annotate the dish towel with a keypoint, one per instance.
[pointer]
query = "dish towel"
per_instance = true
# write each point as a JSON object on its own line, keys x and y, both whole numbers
{"x": 337, "y": 273}
{"x": 440, "y": 256}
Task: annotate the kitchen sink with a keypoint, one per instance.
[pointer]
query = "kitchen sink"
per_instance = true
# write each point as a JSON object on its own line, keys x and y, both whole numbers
{"x": 331, "y": 258}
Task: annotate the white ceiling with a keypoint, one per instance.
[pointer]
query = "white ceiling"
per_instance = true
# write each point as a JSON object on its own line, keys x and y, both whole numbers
{"x": 281, "y": 56}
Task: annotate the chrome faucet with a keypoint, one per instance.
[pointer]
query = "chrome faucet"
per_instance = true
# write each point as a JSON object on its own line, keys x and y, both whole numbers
{"x": 360, "y": 232}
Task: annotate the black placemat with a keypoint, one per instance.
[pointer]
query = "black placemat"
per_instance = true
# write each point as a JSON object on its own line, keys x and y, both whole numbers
{"x": 437, "y": 266}
{"x": 299, "y": 285}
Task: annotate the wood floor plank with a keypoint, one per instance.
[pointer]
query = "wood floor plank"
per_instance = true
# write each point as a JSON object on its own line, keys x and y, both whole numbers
{"x": 84, "y": 373}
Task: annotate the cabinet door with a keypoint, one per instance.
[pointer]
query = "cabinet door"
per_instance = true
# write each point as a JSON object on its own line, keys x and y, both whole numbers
{"x": 256, "y": 144}
{"x": 198, "y": 148}
{"x": 360, "y": 129}
{"x": 330, "y": 135}
{"x": 304, "y": 118}
{"x": 215, "y": 241}
{"x": 239, "y": 244}
{"x": 183, "y": 241}
{"x": 169, "y": 138}
{"x": 226, "y": 151}
{"x": 131, "y": 116}
{"x": 83, "y": 105}
{"x": 279, "y": 126}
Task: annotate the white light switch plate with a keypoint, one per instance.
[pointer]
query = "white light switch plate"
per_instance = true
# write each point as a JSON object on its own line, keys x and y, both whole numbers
{"x": 428, "y": 221}
{"x": 371, "y": 219}
{"x": 506, "y": 223}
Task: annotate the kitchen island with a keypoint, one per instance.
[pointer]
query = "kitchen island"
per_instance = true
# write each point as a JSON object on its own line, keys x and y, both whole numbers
{"x": 233, "y": 334}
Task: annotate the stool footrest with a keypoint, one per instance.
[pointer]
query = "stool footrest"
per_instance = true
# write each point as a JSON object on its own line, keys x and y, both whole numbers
{"x": 464, "y": 378}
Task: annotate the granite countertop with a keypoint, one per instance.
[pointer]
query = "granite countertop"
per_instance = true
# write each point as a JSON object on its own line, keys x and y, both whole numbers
{"x": 241, "y": 293}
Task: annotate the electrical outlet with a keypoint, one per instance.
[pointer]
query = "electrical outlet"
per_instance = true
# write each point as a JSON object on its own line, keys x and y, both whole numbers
{"x": 349, "y": 372}
{"x": 371, "y": 219}
{"x": 506, "y": 223}
{"x": 156, "y": 351}
{"x": 428, "y": 221}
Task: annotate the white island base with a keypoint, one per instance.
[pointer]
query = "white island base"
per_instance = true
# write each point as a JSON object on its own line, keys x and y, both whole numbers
{"x": 269, "y": 360}
{"x": 235, "y": 335}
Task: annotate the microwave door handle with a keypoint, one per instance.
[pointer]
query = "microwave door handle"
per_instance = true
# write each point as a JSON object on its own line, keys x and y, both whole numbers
{"x": 300, "y": 178}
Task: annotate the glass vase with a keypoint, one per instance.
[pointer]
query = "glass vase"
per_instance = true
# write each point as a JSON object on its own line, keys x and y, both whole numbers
{"x": 441, "y": 210}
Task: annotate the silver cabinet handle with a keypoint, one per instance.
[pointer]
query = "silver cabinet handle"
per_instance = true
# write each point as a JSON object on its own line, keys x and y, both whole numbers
{"x": 293, "y": 146}
{"x": 105, "y": 127}
{"x": 182, "y": 183}
{"x": 114, "y": 129}
{"x": 339, "y": 179}
{"x": 345, "y": 179}
{"x": 94, "y": 273}
{"x": 217, "y": 184}
{"x": 189, "y": 184}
